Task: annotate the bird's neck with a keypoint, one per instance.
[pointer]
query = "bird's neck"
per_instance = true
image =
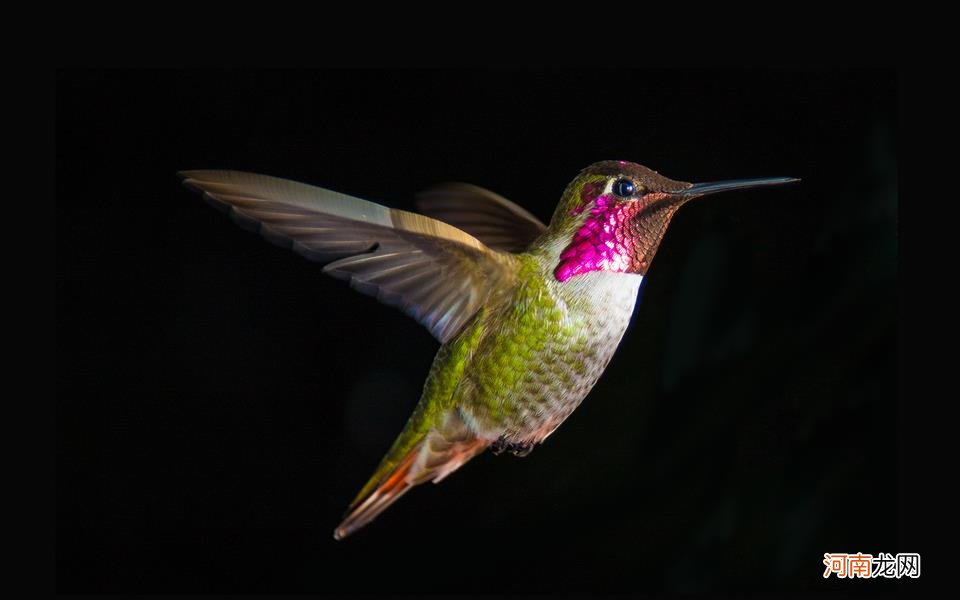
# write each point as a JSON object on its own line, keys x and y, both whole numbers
{"x": 594, "y": 231}
{"x": 591, "y": 291}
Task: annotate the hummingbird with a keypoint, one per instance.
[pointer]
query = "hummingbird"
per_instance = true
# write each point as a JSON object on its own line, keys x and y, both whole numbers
{"x": 527, "y": 315}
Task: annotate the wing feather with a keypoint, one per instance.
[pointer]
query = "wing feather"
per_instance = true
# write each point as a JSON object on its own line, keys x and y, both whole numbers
{"x": 491, "y": 218}
{"x": 433, "y": 271}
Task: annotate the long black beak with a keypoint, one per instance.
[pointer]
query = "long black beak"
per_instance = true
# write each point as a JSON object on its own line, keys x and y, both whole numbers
{"x": 702, "y": 189}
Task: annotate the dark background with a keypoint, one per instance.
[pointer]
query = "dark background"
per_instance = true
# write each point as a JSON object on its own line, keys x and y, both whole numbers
{"x": 220, "y": 401}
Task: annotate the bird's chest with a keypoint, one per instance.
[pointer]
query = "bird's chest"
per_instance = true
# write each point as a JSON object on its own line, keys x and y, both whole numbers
{"x": 599, "y": 314}
{"x": 547, "y": 350}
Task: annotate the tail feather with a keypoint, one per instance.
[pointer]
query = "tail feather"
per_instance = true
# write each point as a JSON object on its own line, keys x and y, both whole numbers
{"x": 388, "y": 492}
{"x": 437, "y": 455}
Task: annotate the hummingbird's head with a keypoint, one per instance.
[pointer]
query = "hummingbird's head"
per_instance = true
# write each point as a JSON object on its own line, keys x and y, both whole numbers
{"x": 615, "y": 213}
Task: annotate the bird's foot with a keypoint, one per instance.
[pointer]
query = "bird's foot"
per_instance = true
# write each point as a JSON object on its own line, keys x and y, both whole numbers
{"x": 516, "y": 448}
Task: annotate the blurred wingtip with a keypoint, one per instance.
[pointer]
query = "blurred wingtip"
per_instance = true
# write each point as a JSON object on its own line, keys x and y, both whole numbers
{"x": 187, "y": 175}
{"x": 188, "y": 180}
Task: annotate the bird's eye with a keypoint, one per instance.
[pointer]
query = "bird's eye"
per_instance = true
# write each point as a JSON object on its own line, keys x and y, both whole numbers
{"x": 624, "y": 188}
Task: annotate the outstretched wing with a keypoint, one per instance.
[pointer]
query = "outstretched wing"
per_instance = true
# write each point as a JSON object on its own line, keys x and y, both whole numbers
{"x": 432, "y": 271}
{"x": 491, "y": 218}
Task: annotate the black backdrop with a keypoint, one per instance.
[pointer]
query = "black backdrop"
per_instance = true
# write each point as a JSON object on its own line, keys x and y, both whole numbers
{"x": 220, "y": 400}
